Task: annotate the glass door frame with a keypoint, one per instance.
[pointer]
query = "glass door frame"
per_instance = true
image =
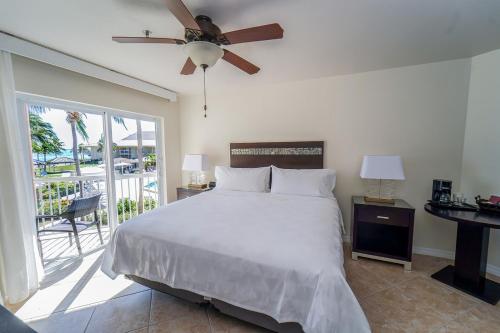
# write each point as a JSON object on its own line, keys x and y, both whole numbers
{"x": 107, "y": 113}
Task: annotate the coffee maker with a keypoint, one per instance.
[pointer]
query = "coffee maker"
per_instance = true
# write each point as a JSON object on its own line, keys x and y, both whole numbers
{"x": 441, "y": 190}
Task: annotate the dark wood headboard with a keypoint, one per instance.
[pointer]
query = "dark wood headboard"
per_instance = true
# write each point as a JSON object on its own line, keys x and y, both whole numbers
{"x": 287, "y": 155}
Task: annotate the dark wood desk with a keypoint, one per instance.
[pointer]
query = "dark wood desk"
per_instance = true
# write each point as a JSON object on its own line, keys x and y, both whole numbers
{"x": 471, "y": 254}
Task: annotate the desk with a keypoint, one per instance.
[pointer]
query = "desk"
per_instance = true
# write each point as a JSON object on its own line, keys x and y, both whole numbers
{"x": 471, "y": 254}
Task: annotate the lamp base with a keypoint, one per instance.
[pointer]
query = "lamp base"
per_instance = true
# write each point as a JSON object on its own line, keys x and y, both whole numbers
{"x": 380, "y": 200}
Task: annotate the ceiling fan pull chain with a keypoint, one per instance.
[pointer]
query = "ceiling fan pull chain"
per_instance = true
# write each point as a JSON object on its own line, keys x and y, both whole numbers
{"x": 204, "y": 89}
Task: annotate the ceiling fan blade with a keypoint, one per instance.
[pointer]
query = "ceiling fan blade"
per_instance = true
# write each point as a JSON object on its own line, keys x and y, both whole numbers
{"x": 180, "y": 11}
{"x": 148, "y": 40}
{"x": 188, "y": 67}
{"x": 263, "y": 32}
{"x": 239, "y": 62}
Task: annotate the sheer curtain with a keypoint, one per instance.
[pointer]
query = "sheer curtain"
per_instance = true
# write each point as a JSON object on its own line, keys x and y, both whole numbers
{"x": 20, "y": 266}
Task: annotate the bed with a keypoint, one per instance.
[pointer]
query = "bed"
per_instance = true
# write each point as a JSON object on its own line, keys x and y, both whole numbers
{"x": 274, "y": 260}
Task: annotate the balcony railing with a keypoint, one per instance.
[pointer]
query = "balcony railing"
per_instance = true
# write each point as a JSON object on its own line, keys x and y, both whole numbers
{"x": 53, "y": 194}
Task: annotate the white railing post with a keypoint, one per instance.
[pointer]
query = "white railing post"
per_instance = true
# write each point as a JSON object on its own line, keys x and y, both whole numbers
{"x": 110, "y": 174}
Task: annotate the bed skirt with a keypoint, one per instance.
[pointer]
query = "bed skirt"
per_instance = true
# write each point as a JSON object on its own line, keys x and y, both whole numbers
{"x": 255, "y": 318}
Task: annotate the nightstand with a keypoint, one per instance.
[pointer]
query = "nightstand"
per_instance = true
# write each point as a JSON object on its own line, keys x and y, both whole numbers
{"x": 186, "y": 192}
{"x": 382, "y": 231}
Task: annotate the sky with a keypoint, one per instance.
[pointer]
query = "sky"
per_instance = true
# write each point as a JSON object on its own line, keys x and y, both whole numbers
{"x": 94, "y": 122}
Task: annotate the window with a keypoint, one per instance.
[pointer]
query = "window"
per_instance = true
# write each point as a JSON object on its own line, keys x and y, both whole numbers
{"x": 79, "y": 150}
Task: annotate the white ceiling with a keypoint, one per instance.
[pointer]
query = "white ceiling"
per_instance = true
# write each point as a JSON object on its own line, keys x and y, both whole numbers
{"x": 322, "y": 37}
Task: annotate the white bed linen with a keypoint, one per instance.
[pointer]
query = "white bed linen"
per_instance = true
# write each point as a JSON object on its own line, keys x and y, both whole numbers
{"x": 276, "y": 254}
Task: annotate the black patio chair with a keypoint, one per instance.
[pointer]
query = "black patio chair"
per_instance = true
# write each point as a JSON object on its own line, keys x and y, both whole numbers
{"x": 66, "y": 221}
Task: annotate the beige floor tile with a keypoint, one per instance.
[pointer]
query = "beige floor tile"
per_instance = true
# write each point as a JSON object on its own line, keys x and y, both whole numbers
{"x": 74, "y": 294}
{"x": 190, "y": 324}
{"x": 389, "y": 272}
{"x": 432, "y": 296}
{"x": 100, "y": 289}
{"x": 45, "y": 301}
{"x": 392, "y": 310}
{"x": 122, "y": 314}
{"x": 74, "y": 321}
{"x": 482, "y": 319}
{"x": 429, "y": 265}
{"x": 221, "y": 323}
{"x": 363, "y": 282}
{"x": 166, "y": 308}
{"x": 394, "y": 301}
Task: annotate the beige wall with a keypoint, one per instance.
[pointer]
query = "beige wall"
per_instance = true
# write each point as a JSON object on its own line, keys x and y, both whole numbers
{"x": 43, "y": 79}
{"x": 481, "y": 157}
{"x": 417, "y": 112}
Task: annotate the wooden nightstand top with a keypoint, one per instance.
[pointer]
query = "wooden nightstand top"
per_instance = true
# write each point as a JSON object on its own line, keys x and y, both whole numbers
{"x": 399, "y": 203}
{"x": 184, "y": 192}
{"x": 193, "y": 189}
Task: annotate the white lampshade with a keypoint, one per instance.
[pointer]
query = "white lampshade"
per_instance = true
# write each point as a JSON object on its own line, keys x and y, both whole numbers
{"x": 203, "y": 53}
{"x": 195, "y": 162}
{"x": 382, "y": 167}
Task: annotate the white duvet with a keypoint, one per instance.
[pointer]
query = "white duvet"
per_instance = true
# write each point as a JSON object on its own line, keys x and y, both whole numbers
{"x": 280, "y": 255}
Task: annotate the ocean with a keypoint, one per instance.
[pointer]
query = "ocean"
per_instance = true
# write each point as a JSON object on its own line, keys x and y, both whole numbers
{"x": 64, "y": 153}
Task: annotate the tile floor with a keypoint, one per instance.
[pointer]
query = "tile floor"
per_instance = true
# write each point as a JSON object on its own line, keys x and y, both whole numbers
{"x": 80, "y": 298}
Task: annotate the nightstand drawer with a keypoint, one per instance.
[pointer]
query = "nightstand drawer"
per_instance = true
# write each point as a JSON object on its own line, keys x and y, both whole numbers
{"x": 384, "y": 215}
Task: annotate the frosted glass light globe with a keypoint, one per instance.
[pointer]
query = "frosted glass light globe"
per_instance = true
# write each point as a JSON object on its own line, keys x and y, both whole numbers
{"x": 203, "y": 53}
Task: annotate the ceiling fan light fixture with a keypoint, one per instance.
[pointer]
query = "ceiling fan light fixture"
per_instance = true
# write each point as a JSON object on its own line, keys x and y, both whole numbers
{"x": 203, "y": 53}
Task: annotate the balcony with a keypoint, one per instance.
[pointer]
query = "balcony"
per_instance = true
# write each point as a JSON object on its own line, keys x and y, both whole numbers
{"x": 54, "y": 194}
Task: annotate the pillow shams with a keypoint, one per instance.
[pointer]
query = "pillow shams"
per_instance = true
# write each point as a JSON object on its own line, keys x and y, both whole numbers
{"x": 311, "y": 182}
{"x": 242, "y": 179}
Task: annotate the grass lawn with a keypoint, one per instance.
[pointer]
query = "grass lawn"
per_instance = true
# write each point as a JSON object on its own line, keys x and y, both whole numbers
{"x": 57, "y": 170}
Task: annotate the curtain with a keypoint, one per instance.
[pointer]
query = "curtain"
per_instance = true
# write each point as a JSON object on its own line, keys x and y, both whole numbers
{"x": 20, "y": 265}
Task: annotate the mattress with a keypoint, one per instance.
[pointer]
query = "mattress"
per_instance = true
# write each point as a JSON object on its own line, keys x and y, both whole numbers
{"x": 280, "y": 255}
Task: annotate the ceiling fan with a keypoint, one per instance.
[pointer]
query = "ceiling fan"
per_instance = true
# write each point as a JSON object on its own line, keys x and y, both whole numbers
{"x": 203, "y": 40}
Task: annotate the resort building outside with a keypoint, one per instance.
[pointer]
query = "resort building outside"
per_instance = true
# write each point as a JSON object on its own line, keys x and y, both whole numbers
{"x": 126, "y": 147}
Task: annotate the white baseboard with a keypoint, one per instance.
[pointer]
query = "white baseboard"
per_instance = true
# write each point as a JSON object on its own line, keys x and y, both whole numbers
{"x": 434, "y": 252}
{"x": 495, "y": 270}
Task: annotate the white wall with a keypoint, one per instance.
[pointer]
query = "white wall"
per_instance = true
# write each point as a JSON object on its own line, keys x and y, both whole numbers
{"x": 39, "y": 78}
{"x": 481, "y": 157}
{"x": 417, "y": 112}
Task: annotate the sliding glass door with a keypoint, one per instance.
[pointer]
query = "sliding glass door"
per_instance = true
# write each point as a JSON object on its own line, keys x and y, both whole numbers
{"x": 135, "y": 168}
{"x": 79, "y": 151}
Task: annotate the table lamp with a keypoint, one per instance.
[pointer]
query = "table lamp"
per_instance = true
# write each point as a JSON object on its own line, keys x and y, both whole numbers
{"x": 382, "y": 167}
{"x": 196, "y": 163}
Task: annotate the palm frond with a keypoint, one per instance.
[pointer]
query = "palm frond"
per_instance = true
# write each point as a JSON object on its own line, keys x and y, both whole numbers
{"x": 120, "y": 121}
{"x": 81, "y": 128}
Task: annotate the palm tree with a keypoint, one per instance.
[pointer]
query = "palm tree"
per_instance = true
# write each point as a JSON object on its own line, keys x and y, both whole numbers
{"x": 75, "y": 120}
{"x": 100, "y": 144}
{"x": 43, "y": 138}
{"x": 39, "y": 129}
{"x": 77, "y": 123}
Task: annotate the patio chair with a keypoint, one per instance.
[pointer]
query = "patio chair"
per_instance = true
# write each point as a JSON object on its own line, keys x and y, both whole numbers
{"x": 66, "y": 220}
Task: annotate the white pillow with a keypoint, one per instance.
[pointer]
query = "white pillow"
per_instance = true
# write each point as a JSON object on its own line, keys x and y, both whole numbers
{"x": 312, "y": 182}
{"x": 242, "y": 179}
